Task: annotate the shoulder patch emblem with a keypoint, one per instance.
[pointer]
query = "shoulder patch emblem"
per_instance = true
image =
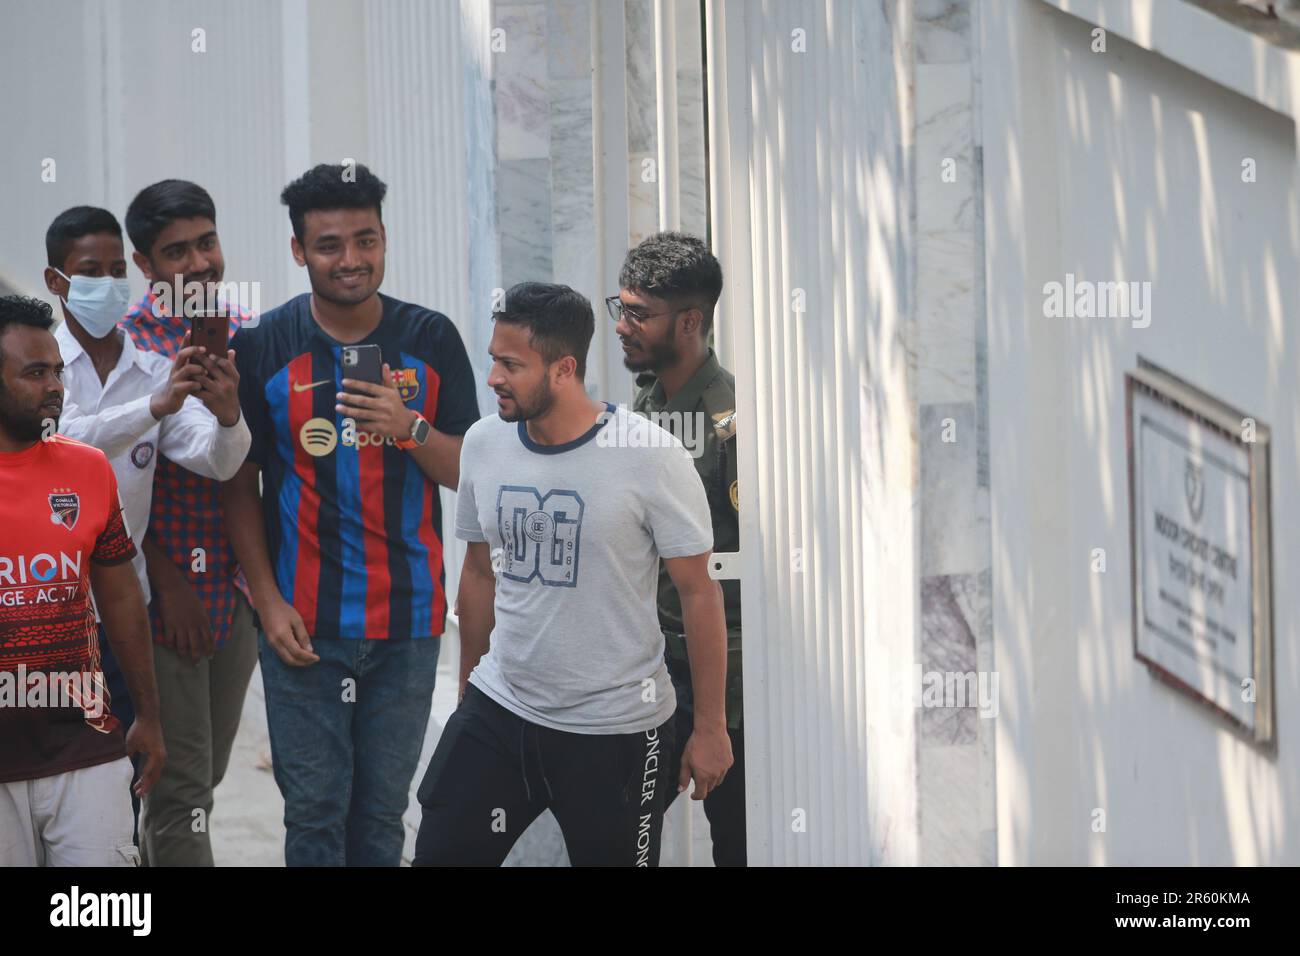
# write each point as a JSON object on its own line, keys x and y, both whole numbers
{"x": 142, "y": 454}
{"x": 735, "y": 495}
{"x": 724, "y": 424}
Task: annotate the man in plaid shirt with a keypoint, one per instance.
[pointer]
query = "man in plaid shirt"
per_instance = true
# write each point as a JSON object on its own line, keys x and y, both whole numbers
{"x": 205, "y": 642}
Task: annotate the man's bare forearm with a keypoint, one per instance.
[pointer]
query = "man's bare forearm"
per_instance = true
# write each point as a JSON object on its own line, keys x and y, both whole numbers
{"x": 705, "y": 623}
{"x": 477, "y": 614}
{"x": 162, "y": 571}
{"x": 245, "y": 523}
{"x": 126, "y": 625}
{"x": 439, "y": 458}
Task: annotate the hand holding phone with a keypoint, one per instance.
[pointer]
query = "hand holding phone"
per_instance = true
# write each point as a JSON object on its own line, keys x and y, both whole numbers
{"x": 219, "y": 387}
{"x": 365, "y": 363}
{"x": 371, "y": 398}
{"x": 210, "y": 330}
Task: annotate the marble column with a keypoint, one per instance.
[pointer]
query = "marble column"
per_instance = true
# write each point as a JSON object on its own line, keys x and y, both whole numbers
{"x": 956, "y": 742}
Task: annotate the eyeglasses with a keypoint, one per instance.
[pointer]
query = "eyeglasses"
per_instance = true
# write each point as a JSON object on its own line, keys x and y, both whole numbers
{"x": 617, "y": 310}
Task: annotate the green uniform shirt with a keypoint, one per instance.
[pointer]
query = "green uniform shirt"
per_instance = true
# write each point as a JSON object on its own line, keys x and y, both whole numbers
{"x": 702, "y": 415}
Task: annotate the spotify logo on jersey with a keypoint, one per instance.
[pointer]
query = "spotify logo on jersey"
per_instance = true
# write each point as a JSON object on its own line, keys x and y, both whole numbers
{"x": 318, "y": 437}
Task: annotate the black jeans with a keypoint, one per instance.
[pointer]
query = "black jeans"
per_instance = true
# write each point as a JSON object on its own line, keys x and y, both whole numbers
{"x": 725, "y": 805}
{"x": 493, "y": 773}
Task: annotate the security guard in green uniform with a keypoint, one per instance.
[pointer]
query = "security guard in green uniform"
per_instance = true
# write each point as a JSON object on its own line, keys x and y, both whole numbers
{"x": 670, "y": 284}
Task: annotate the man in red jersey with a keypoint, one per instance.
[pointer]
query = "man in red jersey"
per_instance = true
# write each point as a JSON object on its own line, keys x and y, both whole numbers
{"x": 63, "y": 758}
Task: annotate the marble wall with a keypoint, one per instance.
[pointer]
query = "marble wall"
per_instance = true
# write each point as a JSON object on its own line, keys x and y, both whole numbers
{"x": 956, "y": 759}
{"x": 480, "y": 162}
{"x": 642, "y": 140}
{"x": 642, "y": 132}
{"x": 521, "y": 97}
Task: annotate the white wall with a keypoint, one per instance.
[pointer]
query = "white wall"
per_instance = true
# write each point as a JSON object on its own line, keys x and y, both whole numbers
{"x": 1126, "y": 165}
{"x": 116, "y": 93}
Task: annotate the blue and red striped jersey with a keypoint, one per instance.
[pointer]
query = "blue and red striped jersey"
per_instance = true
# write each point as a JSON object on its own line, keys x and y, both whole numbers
{"x": 354, "y": 528}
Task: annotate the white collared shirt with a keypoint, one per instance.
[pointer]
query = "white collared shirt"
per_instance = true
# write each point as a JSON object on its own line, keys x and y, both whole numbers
{"x": 115, "y": 418}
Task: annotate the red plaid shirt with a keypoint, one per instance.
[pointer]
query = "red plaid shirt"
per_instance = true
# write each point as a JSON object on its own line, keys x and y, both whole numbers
{"x": 186, "y": 510}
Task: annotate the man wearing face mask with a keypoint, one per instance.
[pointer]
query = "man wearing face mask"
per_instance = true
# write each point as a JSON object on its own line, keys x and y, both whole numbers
{"x": 129, "y": 403}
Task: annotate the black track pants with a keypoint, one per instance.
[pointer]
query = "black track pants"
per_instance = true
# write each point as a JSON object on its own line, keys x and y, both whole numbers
{"x": 724, "y": 807}
{"x": 493, "y": 772}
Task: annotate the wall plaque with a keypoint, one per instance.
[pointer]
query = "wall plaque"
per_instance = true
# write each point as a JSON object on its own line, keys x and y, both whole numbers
{"x": 1200, "y": 531}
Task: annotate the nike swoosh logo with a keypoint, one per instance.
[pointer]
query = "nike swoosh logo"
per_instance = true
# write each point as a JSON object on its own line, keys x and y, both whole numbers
{"x": 310, "y": 385}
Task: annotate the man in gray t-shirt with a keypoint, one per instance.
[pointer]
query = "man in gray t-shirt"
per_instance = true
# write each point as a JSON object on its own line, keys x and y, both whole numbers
{"x": 568, "y": 505}
{"x": 576, "y": 532}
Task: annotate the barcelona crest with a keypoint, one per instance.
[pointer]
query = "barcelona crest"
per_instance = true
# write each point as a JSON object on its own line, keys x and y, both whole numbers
{"x": 408, "y": 384}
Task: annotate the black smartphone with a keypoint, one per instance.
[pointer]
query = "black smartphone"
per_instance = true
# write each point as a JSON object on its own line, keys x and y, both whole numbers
{"x": 212, "y": 331}
{"x": 365, "y": 363}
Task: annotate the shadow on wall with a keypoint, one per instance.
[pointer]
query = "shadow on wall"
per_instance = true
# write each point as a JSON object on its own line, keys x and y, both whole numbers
{"x": 1153, "y": 184}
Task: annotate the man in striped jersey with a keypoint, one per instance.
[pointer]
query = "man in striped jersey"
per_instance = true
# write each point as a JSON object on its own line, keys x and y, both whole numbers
{"x": 343, "y": 552}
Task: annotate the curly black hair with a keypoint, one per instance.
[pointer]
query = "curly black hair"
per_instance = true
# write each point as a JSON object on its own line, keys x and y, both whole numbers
{"x": 678, "y": 268}
{"x": 332, "y": 187}
{"x": 23, "y": 310}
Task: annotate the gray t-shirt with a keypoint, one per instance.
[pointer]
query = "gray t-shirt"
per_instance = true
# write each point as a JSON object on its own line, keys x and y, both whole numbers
{"x": 576, "y": 532}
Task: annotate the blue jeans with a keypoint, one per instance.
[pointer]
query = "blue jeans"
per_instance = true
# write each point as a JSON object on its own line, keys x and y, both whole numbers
{"x": 343, "y": 753}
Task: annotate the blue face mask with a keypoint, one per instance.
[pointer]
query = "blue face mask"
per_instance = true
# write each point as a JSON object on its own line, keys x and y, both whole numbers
{"x": 98, "y": 304}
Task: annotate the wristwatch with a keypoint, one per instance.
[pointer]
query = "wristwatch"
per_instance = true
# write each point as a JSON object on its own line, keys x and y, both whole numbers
{"x": 419, "y": 433}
